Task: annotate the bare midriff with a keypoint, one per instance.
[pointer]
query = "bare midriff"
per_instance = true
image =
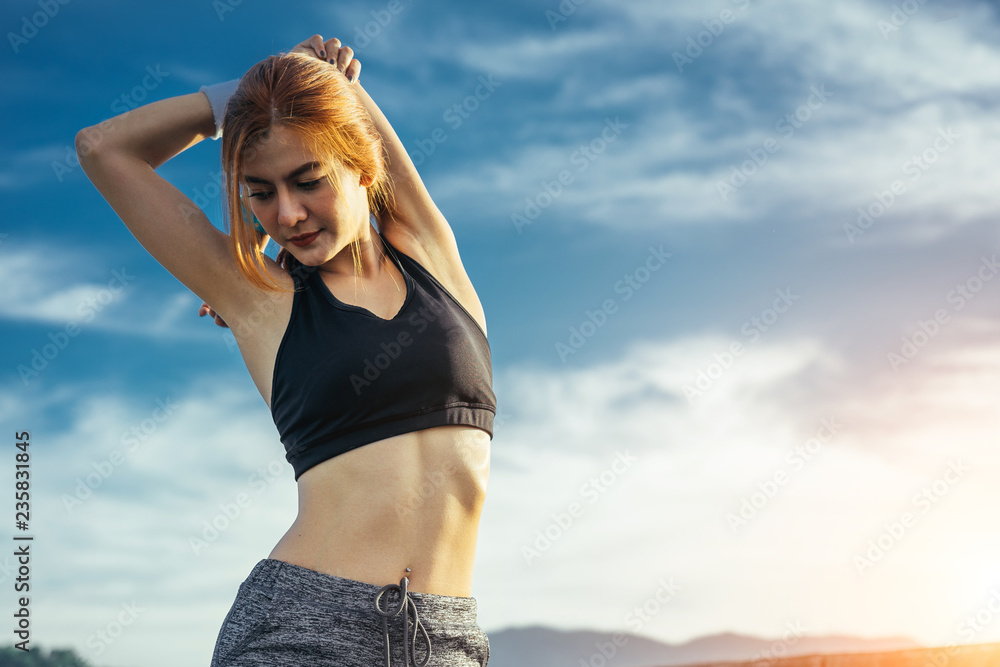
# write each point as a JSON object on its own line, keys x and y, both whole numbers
{"x": 410, "y": 501}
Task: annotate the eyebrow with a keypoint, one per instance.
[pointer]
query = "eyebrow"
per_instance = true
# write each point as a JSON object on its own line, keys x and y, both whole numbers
{"x": 309, "y": 166}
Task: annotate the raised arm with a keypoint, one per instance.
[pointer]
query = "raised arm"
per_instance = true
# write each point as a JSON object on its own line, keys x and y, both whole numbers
{"x": 414, "y": 209}
{"x": 413, "y": 203}
{"x": 120, "y": 156}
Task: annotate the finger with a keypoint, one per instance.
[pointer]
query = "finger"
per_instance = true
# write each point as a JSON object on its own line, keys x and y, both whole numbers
{"x": 344, "y": 58}
{"x": 332, "y": 45}
{"x": 310, "y": 47}
{"x": 316, "y": 42}
{"x": 353, "y": 71}
{"x": 221, "y": 322}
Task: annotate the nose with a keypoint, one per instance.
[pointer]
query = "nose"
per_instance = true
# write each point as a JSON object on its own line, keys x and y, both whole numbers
{"x": 290, "y": 209}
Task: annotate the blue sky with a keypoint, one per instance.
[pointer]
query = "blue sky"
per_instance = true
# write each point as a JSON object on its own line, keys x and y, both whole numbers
{"x": 792, "y": 416}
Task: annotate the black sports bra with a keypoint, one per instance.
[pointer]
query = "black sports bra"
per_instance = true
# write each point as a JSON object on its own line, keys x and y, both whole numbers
{"x": 344, "y": 377}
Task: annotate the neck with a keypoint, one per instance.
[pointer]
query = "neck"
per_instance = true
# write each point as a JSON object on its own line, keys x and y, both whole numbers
{"x": 373, "y": 256}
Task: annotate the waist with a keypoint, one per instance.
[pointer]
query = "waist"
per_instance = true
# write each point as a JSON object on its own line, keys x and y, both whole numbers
{"x": 350, "y": 597}
{"x": 325, "y": 440}
{"x": 409, "y": 501}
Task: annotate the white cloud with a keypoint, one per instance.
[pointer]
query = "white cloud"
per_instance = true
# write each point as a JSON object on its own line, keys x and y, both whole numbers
{"x": 198, "y": 76}
{"x": 33, "y": 288}
{"x": 889, "y": 98}
{"x": 28, "y": 167}
{"x": 536, "y": 56}
{"x": 44, "y": 285}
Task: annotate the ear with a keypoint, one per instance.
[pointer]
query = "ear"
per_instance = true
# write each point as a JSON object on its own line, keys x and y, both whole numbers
{"x": 367, "y": 180}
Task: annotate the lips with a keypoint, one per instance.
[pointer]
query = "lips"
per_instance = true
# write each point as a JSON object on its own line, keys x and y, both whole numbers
{"x": 302, "y": 241}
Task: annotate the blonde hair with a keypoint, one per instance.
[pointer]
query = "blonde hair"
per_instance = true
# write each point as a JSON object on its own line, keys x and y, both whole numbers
{"x": 313, "y": 99}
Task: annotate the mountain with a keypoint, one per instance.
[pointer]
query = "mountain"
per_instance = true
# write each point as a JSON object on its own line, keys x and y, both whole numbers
{"x": 540, "y": 646}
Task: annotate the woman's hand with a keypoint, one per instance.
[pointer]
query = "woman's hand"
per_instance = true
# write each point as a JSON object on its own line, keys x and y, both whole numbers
{"x": 332, "y": 52}
{"x": 207, "y": 310}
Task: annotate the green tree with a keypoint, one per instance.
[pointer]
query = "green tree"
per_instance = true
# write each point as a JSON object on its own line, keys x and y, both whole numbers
{"x": 36, "y": 657}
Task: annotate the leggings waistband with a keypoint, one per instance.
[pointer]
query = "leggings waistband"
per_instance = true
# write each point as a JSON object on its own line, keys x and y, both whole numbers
{"x": 390, "y": 604}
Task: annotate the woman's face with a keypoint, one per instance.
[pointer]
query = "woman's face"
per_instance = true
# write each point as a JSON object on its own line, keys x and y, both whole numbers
{"x": 285, "y": 185}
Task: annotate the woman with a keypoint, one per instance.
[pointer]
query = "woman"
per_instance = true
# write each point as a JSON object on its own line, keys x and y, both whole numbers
{"x": 382, "y": 395}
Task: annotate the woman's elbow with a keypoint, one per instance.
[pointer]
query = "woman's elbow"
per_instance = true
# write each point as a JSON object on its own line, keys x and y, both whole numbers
{"x": 94, "y": 140}
{"x": 87, "y": 142}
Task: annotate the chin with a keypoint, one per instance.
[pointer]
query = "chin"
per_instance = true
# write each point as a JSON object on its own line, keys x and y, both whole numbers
{"x": 305, "y": 258}
{"x": 313, "y": 255}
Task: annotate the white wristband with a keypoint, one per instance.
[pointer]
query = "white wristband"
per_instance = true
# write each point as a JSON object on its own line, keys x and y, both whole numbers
{"x": 218, "y": 94}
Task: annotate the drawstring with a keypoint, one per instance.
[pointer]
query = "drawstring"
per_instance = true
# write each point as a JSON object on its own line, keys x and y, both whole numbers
{"x": 406, "y": 604}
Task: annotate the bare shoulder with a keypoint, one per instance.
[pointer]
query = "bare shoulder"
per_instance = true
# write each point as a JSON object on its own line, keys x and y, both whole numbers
{"x": 438, "y": 253}
{"x": 261, "y": 309}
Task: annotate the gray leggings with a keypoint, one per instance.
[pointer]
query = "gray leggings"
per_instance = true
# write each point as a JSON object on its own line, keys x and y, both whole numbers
{"x": 287, "y": 615}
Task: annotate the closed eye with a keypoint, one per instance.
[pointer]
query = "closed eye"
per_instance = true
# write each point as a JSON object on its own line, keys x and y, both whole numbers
{"x": 308, "y": 185}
